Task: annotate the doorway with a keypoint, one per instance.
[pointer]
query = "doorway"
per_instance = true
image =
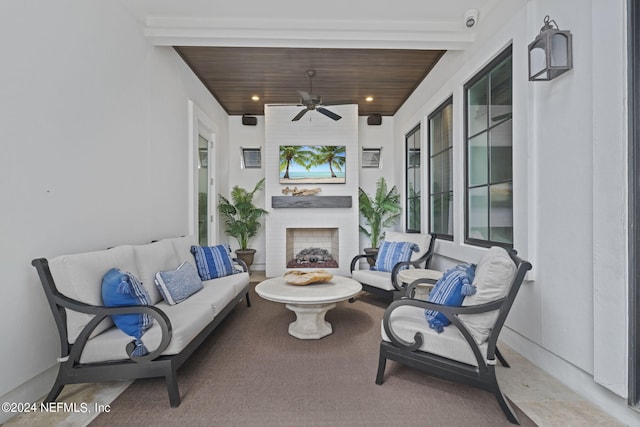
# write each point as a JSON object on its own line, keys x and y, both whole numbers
{"x": 633, "y": 53}
{"x": 203, "y": 215}
{"x": 204, "y": 186}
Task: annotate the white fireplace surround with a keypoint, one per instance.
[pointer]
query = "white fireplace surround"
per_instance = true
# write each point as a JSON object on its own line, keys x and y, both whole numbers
{"x": 313, "y": 129}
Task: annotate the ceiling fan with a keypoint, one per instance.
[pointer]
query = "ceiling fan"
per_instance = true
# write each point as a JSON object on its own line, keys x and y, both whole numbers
{"x": 313, "y": 102}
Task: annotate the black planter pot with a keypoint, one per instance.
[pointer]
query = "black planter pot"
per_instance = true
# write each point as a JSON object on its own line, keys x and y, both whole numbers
{"x": 246, "y": 255}
{"x": 374, "y": 253}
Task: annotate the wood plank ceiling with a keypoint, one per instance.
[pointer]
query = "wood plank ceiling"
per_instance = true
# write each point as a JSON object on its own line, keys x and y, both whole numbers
{"x": 235, "y": 74}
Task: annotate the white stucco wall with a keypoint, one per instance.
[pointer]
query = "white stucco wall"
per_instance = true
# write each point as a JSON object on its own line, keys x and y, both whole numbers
{"x": 94, "y": 134}
{"x": 570, "y": 186}
{"x": 253, "y": 136}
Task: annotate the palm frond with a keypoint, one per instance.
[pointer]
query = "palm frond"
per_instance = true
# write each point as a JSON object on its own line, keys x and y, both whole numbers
{"x": 379, "y": 212}
{"x": 241, "y": 217}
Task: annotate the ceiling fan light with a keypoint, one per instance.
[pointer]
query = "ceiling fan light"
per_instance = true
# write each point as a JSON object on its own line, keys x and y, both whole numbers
{"x": 369, "y": 99}
{"x": 255, "y": 98}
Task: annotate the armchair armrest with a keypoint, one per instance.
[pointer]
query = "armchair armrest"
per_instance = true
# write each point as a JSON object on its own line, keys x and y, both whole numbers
{"x": 242, "y": 264}
{"x": 424, "y": 260}
{"x": 404, "y": 264}
{"x": 355, "y": 259}
{"x": 450, "y": 312}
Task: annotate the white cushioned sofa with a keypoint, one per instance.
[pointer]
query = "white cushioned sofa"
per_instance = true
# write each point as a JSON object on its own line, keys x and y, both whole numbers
{"x": 93, "y": 349}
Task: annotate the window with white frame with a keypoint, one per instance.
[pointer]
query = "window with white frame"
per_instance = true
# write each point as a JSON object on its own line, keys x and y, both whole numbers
{"x": 441, "y": 170}
{"x": 489, "y": 165}
{"x": 412, "y": 140}
{"x": 251, "y": 158}
{"x": 371, "y": 157}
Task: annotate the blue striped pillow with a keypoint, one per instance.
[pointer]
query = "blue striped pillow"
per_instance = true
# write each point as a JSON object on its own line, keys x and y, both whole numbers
{"x": 213, "y": 261}
{"x": 179, "y": 284}
{"x": 455, "y": 284}
{"x": 391, "y": 253}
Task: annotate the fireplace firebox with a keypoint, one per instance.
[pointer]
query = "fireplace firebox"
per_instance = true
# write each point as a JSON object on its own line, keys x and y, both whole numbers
{"x": 312, "y": 247}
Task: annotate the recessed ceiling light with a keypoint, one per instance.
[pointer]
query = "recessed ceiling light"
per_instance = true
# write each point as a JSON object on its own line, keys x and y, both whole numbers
{"x": 369, "y": 98}
{"x": 255, "y": 98}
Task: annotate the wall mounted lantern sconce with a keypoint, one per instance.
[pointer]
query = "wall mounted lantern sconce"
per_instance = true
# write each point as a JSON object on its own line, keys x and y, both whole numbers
{"x": 551, "y": 53}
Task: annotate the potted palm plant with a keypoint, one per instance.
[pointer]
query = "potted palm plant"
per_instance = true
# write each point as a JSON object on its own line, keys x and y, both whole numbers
{"x": 242, "y": 218}
{"x": 379, "y": 212}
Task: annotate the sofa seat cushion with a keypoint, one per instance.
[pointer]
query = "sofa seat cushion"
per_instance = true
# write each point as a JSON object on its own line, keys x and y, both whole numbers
{"x": 79, "y": 277}
{"x": 237, "y": 282}
{"x": 216, "y": 295}
{"x": 187, "y": 320}
{"x": 407, "y": 320}
{"x": 377, "y": 279}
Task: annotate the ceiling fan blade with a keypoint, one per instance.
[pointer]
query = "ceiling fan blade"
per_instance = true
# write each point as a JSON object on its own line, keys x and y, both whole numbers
{"x": 328, "y": 113}
{"x": 299, "y": 115}
{"x": 305, "y": 97}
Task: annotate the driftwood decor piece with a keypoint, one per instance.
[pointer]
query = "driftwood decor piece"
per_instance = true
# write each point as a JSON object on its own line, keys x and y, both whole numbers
{"x": 301, "y": 192}
{"x": 298, "y": 277}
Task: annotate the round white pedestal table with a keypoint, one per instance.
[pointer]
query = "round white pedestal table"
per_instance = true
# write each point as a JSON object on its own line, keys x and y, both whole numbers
{"x": 310, "y": 303}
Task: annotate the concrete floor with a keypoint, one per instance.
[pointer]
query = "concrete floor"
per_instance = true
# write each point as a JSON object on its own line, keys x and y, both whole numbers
{"x": 545, "y": 400}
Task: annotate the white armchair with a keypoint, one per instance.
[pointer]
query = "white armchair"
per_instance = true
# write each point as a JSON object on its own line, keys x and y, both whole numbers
{"x": 466, "y": 350}
{"x": 384, "y": 283}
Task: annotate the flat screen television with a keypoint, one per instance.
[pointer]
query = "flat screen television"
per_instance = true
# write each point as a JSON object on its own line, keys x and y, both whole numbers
{"x": 313, "y": 164}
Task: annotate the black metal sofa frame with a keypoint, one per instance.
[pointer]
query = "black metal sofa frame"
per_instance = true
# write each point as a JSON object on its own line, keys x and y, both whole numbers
{"x": 482, "y": 376}
{"x": 422, "y": 262}
{"x": 152, "y": 365}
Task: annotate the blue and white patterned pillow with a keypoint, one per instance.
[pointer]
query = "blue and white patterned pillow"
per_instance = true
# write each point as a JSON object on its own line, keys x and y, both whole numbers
{"x": 179, "y": 284}
{"x": 213, "y": 261}
{"x": 119, "y": 289}
{"x": 455, "y": 284}
{"x": 391, "y": 253}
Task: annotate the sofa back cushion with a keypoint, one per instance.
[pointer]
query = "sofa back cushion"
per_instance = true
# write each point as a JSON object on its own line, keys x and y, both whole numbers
{"x": 422, "y": 240}
{"x": 79, "y": 277}
{"x": 494, "y": 275}
{"x": 151, "y": 258}
{"x": 182, "y": 246}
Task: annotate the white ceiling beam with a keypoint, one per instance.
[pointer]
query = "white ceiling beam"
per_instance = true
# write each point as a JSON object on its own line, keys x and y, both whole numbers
{"x": 308, "y": 34}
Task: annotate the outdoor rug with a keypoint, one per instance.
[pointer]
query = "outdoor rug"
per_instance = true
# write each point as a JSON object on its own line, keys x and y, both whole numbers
{"x": 251, "y": 372}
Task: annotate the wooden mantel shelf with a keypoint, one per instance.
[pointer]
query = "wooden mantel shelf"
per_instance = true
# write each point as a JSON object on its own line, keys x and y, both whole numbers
{"x": 311, "y": 201}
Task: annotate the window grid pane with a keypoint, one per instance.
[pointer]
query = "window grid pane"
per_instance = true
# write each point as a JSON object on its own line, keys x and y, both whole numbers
{"x": 413, "y": 180}
{"x": 501, "y": 213}
{"x": 489, "y": 140}
{"x": 441, "y": 170}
